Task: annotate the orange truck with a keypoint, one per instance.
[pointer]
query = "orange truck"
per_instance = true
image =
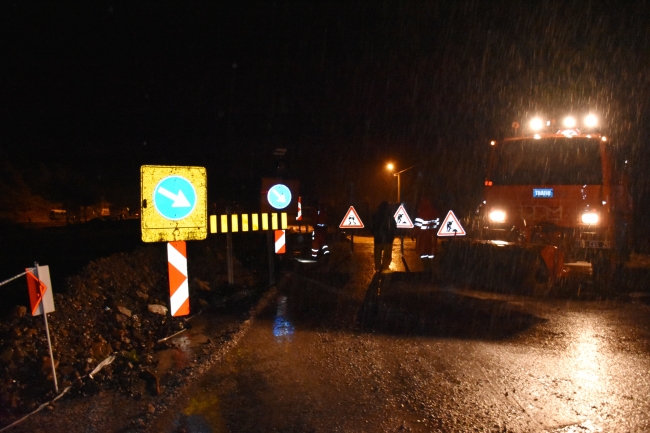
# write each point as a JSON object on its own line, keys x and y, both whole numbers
{"x": 561, "y": 192}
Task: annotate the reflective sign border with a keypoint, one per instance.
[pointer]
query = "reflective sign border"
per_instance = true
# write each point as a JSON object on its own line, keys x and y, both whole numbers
{"x": 157, "y": 228}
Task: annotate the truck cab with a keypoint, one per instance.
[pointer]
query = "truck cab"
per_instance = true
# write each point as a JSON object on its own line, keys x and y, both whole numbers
{"x": 562, "y": 191}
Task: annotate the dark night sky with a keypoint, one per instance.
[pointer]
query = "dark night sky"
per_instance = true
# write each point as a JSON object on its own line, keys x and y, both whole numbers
{"x": 100, "y": 88}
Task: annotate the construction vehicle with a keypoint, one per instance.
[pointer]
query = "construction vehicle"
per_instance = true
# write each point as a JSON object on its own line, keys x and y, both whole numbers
{"x": 557, "y": 196}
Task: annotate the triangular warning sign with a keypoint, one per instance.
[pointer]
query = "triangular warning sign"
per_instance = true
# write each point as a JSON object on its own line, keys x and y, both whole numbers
{"x": 451, "y": 226}
{"x": 351, "y": 220}
{"x": 402, "y": 218}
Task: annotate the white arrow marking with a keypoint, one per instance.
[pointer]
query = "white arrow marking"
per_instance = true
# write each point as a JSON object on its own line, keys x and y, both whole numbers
{"x": 179, "y": 199}
{"x": 279, "y": 196}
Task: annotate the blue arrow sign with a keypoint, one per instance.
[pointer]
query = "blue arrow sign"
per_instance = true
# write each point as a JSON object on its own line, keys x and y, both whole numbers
{"x": 279, "y": 196}
{"x": 174, "y": 197}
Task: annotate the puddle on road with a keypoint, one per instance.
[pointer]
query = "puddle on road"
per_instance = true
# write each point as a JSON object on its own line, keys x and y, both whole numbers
{"x": 201, "y": 410}
{"x": 282, "y": 327}
{"x": 201, "y": 414}
{"x": 183, "y": 351}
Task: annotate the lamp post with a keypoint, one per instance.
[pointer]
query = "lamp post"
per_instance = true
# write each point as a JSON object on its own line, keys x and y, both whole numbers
{"x": 390, "y": 167}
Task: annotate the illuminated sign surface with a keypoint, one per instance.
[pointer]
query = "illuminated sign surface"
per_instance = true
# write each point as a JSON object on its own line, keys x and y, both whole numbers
{"x": 279, "y": 196}
{"x": 174, "y": 197}
{"x": 451, "y": 226}
{"x": 174, "y": 203}
{"x": 402, "y": 218}
{"x": 351, "y": 220}
{"x": 542, "y": 192}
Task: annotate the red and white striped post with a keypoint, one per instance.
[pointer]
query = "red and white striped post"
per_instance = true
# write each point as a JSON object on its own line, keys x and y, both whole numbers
{"x": 299, "y": 215}
{"x": 280, "y": 242}
{"x": 179, "y": 294}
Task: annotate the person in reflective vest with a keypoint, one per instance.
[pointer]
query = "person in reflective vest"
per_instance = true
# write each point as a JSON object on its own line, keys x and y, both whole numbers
{"x": 426, "y": 225}
{"x": 319, "y": 235}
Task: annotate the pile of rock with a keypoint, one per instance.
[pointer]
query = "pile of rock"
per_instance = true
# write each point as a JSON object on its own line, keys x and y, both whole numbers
{"x": 117, "y": 306}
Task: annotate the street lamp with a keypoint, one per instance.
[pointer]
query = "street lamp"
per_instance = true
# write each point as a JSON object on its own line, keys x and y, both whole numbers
{"x": 391, "y": 167}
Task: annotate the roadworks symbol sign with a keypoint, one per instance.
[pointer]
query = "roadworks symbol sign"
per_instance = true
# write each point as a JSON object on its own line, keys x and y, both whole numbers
{"x": 402, "y": 218}
{"x": 351, "y": 220}
{"x": 451, "y": 226}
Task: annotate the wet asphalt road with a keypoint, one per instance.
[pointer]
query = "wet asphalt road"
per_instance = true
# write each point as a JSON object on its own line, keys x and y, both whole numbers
{"x": 344, "y": 350}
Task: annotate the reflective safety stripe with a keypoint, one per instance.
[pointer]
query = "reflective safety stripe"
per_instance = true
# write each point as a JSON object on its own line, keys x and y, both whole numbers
{"x": 427, "y": 224}
{"x": 280, "y": 242}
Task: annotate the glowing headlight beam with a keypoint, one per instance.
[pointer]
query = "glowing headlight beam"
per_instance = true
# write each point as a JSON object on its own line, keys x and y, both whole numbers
{"x": 536, "y": 124}
{"x": 591, "y": 121}
{"x": 589, "y": 218}
{"x": 497, "y": 216}
{"x": 569, "y": 122}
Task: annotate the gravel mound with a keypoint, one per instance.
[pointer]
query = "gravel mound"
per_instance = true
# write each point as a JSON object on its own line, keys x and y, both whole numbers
{"x": 117, "y": 306}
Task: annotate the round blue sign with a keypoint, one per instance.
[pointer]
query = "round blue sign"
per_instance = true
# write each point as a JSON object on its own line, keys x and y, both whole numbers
{"x": 174, "y": 197}
{"x": 279, "y": 196}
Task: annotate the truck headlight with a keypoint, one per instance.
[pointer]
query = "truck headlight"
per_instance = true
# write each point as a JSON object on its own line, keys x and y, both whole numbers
{"x": 536, "y": 124}
{"x": 591, "y": 121}
{"x": 589, "y": 218}
{"x": 497, "y": 216}
{"x": 569, "y": 122}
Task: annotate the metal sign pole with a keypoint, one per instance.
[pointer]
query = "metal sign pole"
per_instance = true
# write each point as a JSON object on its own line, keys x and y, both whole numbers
{"x": 11, "y": 279}
{"x": 47, "y": 333}
{"x": 351, "y": 202}
{"x": 271, "y": 242}
{"x": 231, "y": 279}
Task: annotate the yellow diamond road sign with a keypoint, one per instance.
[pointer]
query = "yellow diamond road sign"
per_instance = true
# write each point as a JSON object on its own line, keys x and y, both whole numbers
{"x": 174, "y": 203}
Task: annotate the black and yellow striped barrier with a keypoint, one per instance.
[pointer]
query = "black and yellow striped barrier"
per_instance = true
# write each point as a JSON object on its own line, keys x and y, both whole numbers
{"x": 234, "y": 223}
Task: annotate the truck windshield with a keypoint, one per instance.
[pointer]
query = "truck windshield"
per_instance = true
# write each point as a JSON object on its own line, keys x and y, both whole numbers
{"x": 547, "y": 161}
